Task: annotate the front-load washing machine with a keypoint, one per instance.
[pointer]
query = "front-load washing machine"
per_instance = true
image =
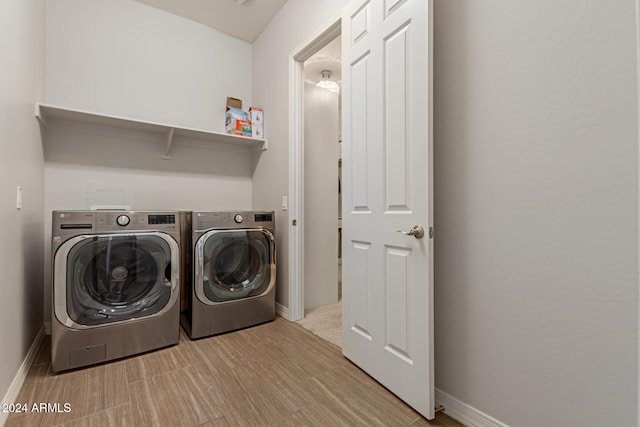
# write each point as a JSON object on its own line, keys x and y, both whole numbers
{"x": 233, "y": 271}
{"x": 115, "y": 285}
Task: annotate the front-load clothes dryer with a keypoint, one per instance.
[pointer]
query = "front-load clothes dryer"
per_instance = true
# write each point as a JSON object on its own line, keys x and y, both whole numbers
{"x": 233, "y": 271}
{"x": 115, "y": 285}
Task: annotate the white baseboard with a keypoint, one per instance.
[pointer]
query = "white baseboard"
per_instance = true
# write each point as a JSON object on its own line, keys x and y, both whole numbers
{"x": 466, "y": 414}
{"x": 21, "y": 375}
{"x": 282, "y": 311}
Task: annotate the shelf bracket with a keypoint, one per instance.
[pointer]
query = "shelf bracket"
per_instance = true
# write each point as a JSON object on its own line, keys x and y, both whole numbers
{"x": 168, "y": 139}
{"x": 265, "y": 145}
{"x": 40, "y": 117}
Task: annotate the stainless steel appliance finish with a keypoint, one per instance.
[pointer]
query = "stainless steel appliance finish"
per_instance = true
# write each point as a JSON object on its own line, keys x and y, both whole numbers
{"x": 233, "y": 271}
{"x": 116, "y": 290}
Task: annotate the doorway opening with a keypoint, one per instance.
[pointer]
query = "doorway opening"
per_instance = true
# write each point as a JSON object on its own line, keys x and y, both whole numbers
{"x": 315, "y": 161}
{"x": 322, "y": 193}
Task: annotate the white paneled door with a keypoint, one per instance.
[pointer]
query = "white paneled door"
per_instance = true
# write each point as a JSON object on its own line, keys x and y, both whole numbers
{"x": 387, "y": 190}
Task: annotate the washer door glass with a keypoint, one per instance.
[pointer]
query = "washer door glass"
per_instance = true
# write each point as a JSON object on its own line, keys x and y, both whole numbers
{"x": 115, "y": 278}
{"x": 236, "y": 264}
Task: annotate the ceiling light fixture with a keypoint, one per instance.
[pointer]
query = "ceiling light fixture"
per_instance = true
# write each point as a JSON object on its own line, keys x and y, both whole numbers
{"x": 326, "y": 83}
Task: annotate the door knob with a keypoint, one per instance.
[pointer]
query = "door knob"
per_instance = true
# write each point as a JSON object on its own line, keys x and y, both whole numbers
{"x": 417, "y": 231}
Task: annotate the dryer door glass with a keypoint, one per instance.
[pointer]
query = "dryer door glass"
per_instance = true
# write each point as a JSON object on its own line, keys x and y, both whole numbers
{"x": 115, "y": 278}
{"x": 236, "y": 264}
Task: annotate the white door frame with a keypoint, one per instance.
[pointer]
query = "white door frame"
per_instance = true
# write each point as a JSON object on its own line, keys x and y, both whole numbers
{"x": 313, "y": 44}
{"x": 638, "y": 100}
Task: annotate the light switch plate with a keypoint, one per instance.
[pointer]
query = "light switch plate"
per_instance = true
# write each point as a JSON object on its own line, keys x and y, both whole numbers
{"x": 19, "y": 197}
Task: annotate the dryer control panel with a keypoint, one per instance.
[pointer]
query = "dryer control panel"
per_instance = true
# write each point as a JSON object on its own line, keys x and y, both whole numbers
{"x": 264, "y": 217}
{"x": 203, "y": 220}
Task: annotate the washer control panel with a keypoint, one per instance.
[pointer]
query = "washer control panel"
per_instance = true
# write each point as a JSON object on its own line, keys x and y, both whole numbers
{"x": 136, "y": 220}
{"x": 69, "y": 222}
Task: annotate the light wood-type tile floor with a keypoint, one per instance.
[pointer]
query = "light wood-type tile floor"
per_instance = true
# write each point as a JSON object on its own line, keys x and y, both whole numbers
{"x": 276, "y": 374}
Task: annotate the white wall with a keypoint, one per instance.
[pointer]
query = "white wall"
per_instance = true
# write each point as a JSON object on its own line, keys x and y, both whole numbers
{"x": 321, "y": 153}
{"x": 293, "y": 25}
{"x": 21, "y": 163}
{"x": 536, "y": 203}
{"x": 125, "y": 58}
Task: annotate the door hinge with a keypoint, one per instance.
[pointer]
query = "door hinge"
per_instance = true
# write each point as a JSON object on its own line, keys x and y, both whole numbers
{"x": 294, "y": 222}
{"x": 431, "y": 232}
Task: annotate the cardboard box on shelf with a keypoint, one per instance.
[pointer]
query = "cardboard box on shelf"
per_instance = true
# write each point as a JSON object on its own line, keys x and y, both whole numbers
{"x": 256, "y": 115}
{"x": 237, "y": 120}
{"x": 234, "y": 103}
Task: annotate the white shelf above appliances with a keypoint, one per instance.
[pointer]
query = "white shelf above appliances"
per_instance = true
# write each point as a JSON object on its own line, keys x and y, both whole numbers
{"x": 47, "y": 114}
